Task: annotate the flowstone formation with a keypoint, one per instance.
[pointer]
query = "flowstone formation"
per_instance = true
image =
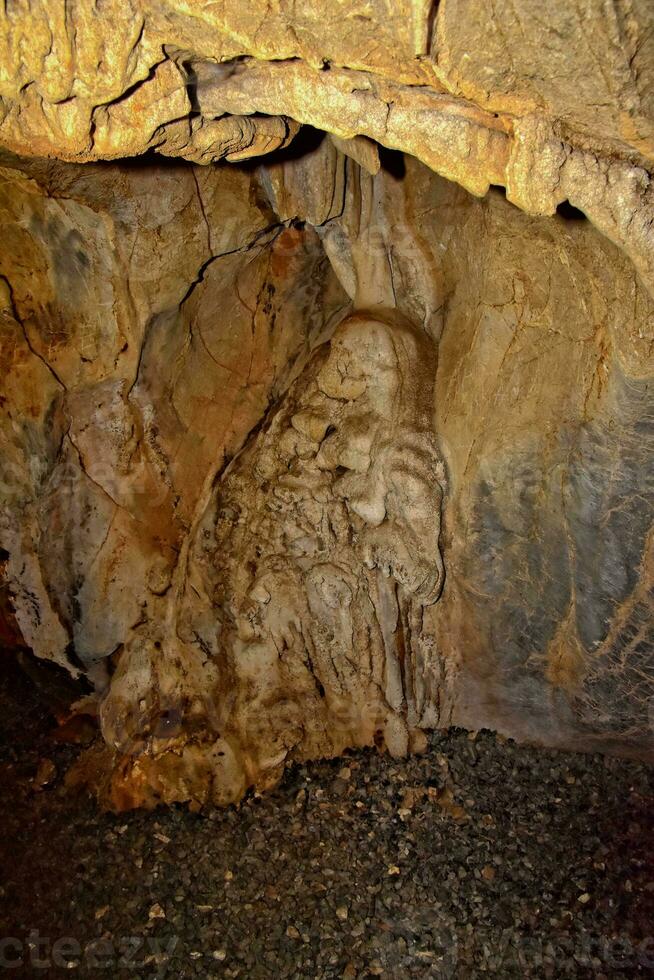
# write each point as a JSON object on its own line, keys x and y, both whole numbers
{"x": 309, "y": 443}
{"x": 307, "y": 581}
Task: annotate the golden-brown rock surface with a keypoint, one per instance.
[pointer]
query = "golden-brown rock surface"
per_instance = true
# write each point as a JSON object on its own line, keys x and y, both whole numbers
{"x": 337, "y": 444}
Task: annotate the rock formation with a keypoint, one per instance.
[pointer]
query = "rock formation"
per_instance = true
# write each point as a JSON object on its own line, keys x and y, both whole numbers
{"x": 335, "y": 445}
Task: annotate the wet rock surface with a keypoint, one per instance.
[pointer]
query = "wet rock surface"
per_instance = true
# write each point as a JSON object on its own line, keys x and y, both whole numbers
{"x": 476, "y": 857}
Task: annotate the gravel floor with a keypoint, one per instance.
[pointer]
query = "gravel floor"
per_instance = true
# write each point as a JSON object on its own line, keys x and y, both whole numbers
{"x": 478, "y": 858}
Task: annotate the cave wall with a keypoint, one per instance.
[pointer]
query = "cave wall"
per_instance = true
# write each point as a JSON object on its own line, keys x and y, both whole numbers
{"x": 326, "y": 359}
{"x": 150, "y": 315}
{"x": 301, "y": 457}
{"x": 544, "y": 416}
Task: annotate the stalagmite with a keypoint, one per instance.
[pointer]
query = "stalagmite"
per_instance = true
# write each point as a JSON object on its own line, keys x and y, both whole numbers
{"x": 327, "y": 345}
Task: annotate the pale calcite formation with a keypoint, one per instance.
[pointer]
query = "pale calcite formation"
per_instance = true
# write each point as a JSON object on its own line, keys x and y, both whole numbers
{"x": 298, "y": 621}
{"x": 322, "y": 449}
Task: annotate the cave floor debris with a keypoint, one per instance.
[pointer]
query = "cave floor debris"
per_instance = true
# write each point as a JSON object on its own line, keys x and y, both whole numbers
{"x": 479, "y": 857}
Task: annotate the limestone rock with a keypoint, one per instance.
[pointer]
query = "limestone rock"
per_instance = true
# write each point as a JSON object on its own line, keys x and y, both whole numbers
{"x": 326, "y": 335}
{"x": 101, "y": 435}
{"x": 306, "y": 577}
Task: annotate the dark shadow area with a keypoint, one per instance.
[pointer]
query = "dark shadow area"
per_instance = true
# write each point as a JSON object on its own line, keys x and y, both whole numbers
{"x": 307, "y": 141}
{"x": 50, "y": 683}
{"x": 392, "y": 161}
{"x": 150, "y": 160}
{"x": 570, "y": 212}
{"x": 192, "y": 87}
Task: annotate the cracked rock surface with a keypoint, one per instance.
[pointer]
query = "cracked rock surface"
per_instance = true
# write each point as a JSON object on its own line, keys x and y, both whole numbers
{"x": 327, "y": 345}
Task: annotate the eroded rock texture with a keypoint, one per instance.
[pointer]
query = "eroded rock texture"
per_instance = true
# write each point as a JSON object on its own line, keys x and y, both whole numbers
{"x": 322, "y": 449}
{"x": 300, "y": 623}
